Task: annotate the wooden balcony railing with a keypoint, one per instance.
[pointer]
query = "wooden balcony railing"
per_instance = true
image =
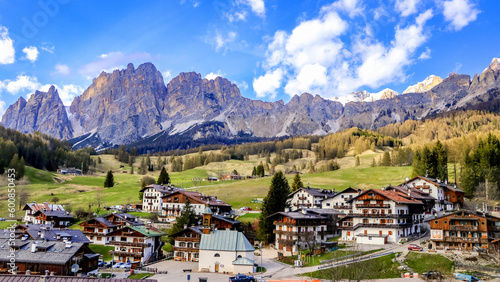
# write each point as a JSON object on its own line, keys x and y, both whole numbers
{"x": 130, "y": 244}
{"x": 465, "y": 239}
{"x": 188, "y": 239}
{"x": 369, "y": 206}
{"x": 184, "y": 249}
{"x": 464, "y": 227}
{"x": 126, "y": 254}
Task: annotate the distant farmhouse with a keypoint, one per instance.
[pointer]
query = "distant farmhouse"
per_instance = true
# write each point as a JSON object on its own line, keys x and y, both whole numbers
{"x": 70, "y": 171}
{"x": 44, "y": 213}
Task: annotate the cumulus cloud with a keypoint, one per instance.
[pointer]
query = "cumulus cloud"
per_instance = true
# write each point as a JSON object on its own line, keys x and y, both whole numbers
{"x": 111, "y": 61}
{"x": 426, "y": 54}
{"x": 257, "y": 6}
{"x": 268, "y": 84}
{"x": 213, "y": 75}
{"x": 459, "y": 13}
{"x": 167, "y": 76}
{"x": 222, "y": 40}
{"x": 7, "y": 51}
{"x": 2, "y": 108}
{"x": 31, "y": 53}
{"x": 68, "y": 92}
{"x": 318, "y": 56}
{"x": 407, "y": 7}
{"x": 62, "y": 69}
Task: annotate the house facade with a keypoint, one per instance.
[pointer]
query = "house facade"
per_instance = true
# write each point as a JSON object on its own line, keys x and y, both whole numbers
{"x": 152, "y": 196}
{"x": 380, "y": 216}
{"x": 464, "y": 230}
{"x": 98, "y": 230}
{"x": 341, "y": 200}
{"x": 44, "y": 213}
{"x": 295, "y": 230}
{"x": 309, "y": 198}
{"x": 448, "y": 197}
{"x": 136, "y": 244}
{"x": 175, "y": 202}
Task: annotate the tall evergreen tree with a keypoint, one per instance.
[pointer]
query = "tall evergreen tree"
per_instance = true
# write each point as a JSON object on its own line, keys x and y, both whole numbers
{"x": 297, "y": 183}
{"x": 110, "y": 180}
{"x": 441, "y": 157}
{"x": 254, "y": 171}
{"x": 18, "y": 165}
{"x": 142, "y": 167}
{"x": 164, "y": 178}
{"x": 386, "y": 159}
{"x": 275, "y": 201}
{"x": 358, "y": 162}
{"x": 188, "y": 217}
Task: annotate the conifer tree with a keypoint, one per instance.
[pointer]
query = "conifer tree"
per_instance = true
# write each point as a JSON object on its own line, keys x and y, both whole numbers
{"x": 188, "y": 217}
{"x": 275, "y": 201}
{"x": 373, "y": 162}
{"x": 18, "y": 165}
{"x": 109, "y": 181}
{"x": 297, "y": 183}
{"x": 164, "y": 178}
{"x": 357, "y": 161}
{"x": 386, "y": 159}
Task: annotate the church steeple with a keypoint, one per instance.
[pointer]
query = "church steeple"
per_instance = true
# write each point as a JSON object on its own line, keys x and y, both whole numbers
{"x": 207, "y": 219}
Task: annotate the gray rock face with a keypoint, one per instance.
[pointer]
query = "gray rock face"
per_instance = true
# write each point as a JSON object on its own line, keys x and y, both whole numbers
{"x": 44, "y": 112}
{"x": 132, "y": 104}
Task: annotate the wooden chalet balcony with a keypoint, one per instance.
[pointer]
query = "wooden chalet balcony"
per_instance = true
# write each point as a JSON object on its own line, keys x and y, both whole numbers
{"x": 465, "y": 239}
{"x": 369, "y": 206}
{"x": 464, "y": 228}
{"x": 286, "y": 241}
{"x": 325, "y": 232}
{"x": 493, "y": 228}
{"x": 302, "y": 204}
{"x": 92, "y": 225}
{"x": 382, "y": 225}
{"x": 188, "y": 239}
{"x": 346, "y": 227}
{"x": 172, "y": 208}
{"x": 284, "y": 223}
{"x": 341, "y": 207}
{"x": 126, "y": 254}
{"x": 130, "y": 244}
{"x": 150, "y": 197}
{"x": 184, "y": 249}
{"x": 302, "y": 198}
{"x": 383, "y": 215}
{"x": 284, "y": 232}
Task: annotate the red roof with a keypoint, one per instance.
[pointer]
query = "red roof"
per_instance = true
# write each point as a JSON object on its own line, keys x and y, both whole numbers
{"x": 395, "y": 196}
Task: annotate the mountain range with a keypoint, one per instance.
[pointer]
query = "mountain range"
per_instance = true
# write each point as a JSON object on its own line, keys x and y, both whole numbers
{"x": 134, "y": 105}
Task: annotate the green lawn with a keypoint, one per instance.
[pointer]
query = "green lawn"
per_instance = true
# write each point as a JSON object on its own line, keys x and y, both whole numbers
{"x": 248, "y": 217}
{"x": 139, "y": 275}
{"x": 6, "y": 224}
{"x": 103, "y": 250}
{"x": 377, "y": 268}
{"x": 76, "y": 225}
{"x": 422, "y": 263}
{"x": 140, "y": 214}
{"x": 316, "y": 259}
{"x": 167, "y": 247}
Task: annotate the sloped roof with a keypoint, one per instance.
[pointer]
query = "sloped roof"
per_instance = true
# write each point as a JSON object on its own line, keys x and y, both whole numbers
{"x": 43, "y": 206}
{"x": 414, "y": 193}
{"x": 164, "y": 189}
{"x": 148, "y": 231}
{"x": 316, "y": 192}
{"x": 200, "y": 198}
{"x": 299, "y": 215}
{"x": 56, "y": 252}
{"x": 225, "y": 240}
{"x": 220, "y": 217}
{"x": 196, "y": 229}
{"x": 395, "y": 196}
{"x": 52, "y": 233}
{"x": 105, "y": 222}
{"x": 243, "y": 261}
{"x": 435, "y": 182}
{"x": 58, "y": 213}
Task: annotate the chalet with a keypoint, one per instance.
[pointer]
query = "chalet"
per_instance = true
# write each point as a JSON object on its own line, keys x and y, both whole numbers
{"x": 38, "y": 256}
{"x": 187, "y": 241}
{"x": 448, "y": 197}
{"x": 232, "y": 177}
{"x": 49, "y": 233}
{"x": 464, "y": 230}
{"x": 295, "y": 230}
{"x": 381, "y": 216}
{"x": 308, "y": 198}
{"x": 98, "y": 230}
{"x": 136, "y": 244}
{"x": 55, "y": 218}
{"x": 340, "y": 200}
{"x": 31, "y": 208}
{"x": 152, "y": 196}
{"x": 226, "y": 251}
{"x": 417, "y": 194}
{"x": 174, "y": 203}
{"x": 70, "y": 171}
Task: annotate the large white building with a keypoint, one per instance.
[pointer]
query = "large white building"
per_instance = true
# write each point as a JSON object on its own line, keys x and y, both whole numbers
{"x": 152, "y": 196}
{"x": 448, "y": 197}
{"x": 308, "y": 198}
{"x": 341, "y": 200}
{"x": 226, "y": 251}
{"x": 381, "y": 216}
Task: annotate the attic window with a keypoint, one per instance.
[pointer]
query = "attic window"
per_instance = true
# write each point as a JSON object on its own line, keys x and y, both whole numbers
{"x": 371, "y": 194}
{"x": 217, "y": 255}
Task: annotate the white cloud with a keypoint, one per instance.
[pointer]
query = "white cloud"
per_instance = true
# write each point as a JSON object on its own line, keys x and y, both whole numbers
{"x": 68, "y": 92}
{"x": 111, "y": 61}
{"x": 257, "y": 6}
{"x": 167, "y": 76}
{"x": 268, "y": 84}
{"x": 31, "y": 53}
{"x": 23, "y": 83}
{"x": 7, "y": 51}
{"x": 242, "y": 85}
{"x": 318, "y": 56}
{"x": 62, "y": 69}
{"x": 407, "y": 7}
{"x": 426, "y": 54}
{"x": 2, "y": 108}
{"x": 221, "y": 40}
{"x": 48, "y": 47}
{"x": 459, "y": 13}
{"x": 213, "y": 75}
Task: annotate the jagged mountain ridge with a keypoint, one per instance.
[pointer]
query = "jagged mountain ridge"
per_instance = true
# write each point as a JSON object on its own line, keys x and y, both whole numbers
{"x": 133, "y": 104}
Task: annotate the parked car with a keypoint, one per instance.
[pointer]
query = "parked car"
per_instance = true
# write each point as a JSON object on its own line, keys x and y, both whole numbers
{"x": 246, "y": 209}
{"x": 101, "y": 263}
{"x": 2, "y": 219}
{"x": 414, "y": 247}
{"x": 242, "y": 278}
{"x": 118, "y": 265}
{"x": 127, "y": 265}
{"x": 432, "y": 275}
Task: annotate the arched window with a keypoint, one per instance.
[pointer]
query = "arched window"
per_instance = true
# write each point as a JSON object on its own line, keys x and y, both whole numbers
{"x": 239, "y": 256}
{"x": 217, "y": 255}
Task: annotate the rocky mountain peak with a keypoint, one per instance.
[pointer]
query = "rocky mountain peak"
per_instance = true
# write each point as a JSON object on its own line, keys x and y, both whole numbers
{"x": 425, "y": 85}
{"x": 495, "y": 64}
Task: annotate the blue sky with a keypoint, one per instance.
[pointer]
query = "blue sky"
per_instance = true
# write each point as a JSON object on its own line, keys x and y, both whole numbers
{"x": 272, "y": 49}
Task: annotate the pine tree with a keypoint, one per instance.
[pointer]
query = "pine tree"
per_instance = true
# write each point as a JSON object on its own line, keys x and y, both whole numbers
{"x": 18, "y": 165}
{"x": 386, "y": 159}
{"x": 109, "y": 181}
{"x": 164, "y": 178}
{"x": 275, "y": 201}
{"x": 441, "y": 161}
{"x": 142, "y": 167}
{"x": 132, "y": 170}
{"x": 297, "y": 183}
{"x": 373, "y": 162}
{"x": 188, "y": 217}
{"x": 357, "y": 161}
{"x": 254, "y": 171}
{"x": 99, "y": 161}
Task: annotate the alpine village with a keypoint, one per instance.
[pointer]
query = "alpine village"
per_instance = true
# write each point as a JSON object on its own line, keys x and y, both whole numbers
{"x": 114, "y": 171}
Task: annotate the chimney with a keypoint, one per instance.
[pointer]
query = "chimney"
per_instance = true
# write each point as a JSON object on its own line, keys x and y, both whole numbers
{"x": 407, "y": 179}
{"x": 42, "y": 235}
{"x": 409, "y": 192}
{"x": 39, "y": 233}
{"x": 58, "y": 236}
{"x": 33, "y": 247}
{"x": 304, "y": 211}
{"x": 68, "y": 244}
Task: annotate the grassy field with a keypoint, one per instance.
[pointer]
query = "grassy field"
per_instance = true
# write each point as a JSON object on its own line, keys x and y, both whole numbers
{"x": 249, "y": 217}
{"x": 377, "y": 268}
{"x": 103, "y": 250}
{"x": 422, "y": 263}
{"x": 139, "y": 275}
{"x": 80, "y": 191}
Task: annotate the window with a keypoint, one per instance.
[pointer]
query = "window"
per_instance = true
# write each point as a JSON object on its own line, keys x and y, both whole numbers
{"x": 217, "y": 256}
{"x": 327, "y": 204}
{"x": 390, "y": 232}
{"x": 239, "y": 256}
{"x": 348, "y": 233}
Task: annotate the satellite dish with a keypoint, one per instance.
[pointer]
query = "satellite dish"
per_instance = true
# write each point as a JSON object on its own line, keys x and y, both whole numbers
{"x": 74, "y": 268}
